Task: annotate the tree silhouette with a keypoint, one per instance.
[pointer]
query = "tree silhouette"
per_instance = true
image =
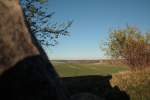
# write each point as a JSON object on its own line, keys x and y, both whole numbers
{"x": 38, "y": 19}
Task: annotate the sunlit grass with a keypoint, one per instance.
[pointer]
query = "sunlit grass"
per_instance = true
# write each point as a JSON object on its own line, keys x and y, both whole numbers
{"x": 80, "y": 69}
{"x": 135, "y": 83}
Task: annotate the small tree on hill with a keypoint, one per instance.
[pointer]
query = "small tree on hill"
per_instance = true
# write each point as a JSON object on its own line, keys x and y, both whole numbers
{"x": 131, "y": 45}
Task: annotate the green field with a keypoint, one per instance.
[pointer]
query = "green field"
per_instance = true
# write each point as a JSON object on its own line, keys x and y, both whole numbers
{"x": 65, "y": 69}
{"x": 135, "y": 83}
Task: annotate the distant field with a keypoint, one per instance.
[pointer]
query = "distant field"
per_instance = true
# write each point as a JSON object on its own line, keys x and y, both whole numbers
{"x": 66, "y": 69}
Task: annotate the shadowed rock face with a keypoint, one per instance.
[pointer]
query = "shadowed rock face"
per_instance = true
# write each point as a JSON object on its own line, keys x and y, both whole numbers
{"x": 31, "y": 79}
{"x": 98, "y": 85}
{"x": 86, "y": 96}
{"x": 99, "y": 88}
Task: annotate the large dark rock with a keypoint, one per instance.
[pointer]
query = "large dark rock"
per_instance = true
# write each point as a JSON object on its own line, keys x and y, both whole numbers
{"x": 95, "y": 85}
{"x": 31, "y": 79}
{"x": 86, "y": 96}
{"x": 98, "y": 85}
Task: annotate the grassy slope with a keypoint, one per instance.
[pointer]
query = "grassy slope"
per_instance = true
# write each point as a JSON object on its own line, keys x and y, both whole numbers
{"x": 135, "y": 83}
{"x": 78, "y": 69}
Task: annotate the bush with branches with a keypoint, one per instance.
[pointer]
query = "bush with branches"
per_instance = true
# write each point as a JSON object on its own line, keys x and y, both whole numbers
{"x": 131, "y": 45}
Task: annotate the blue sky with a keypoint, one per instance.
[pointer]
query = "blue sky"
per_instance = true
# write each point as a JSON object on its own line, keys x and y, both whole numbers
{"x": 93, "y": 20}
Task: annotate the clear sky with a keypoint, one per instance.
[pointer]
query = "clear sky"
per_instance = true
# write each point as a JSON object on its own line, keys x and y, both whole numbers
{"x": 93, "y": 20}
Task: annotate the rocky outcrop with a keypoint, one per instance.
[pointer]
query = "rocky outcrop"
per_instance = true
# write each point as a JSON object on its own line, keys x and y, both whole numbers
{"x": 15, "y": 40}
{"x": 29, "y": 76}
{"x": 31, "y": 79}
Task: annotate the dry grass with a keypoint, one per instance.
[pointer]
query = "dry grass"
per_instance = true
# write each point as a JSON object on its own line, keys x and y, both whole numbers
{"x": 136, "y": 83}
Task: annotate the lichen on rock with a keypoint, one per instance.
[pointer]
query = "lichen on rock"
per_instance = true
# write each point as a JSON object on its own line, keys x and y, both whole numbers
{"x": 15, "y": 40}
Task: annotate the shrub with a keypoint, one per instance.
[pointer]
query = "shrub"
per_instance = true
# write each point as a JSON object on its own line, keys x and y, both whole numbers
{"x": 131, "y": 45}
